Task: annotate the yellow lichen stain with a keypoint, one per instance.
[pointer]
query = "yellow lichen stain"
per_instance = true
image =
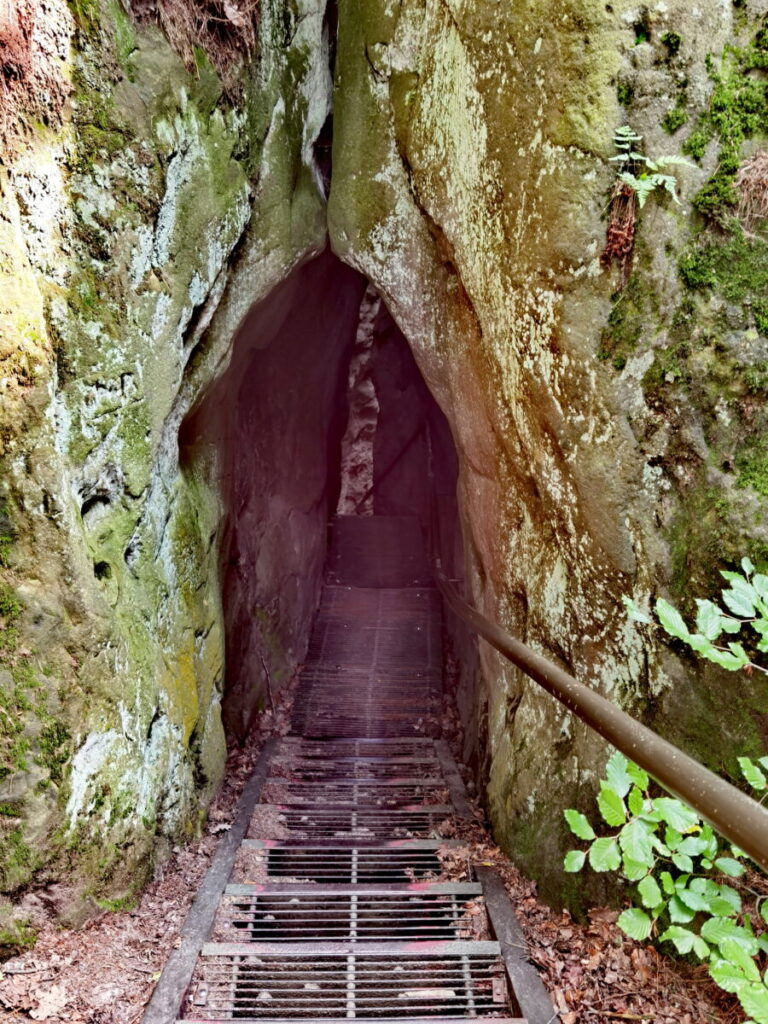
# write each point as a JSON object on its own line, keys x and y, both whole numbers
{"x": 179, "y": 681}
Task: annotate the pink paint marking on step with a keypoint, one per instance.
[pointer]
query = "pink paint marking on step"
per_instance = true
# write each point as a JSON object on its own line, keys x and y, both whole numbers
{"x": 426, "y": 946}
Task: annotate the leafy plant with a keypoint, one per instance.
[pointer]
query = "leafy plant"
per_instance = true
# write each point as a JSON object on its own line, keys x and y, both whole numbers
{"x": 641, "y": 173}
{"x": 746, "y": 601}
{"x": 638, "y": 177}
{"x": 688, "y": 881}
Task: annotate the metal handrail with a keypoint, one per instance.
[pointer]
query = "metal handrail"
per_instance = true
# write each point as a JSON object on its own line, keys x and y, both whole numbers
{"x": 738, "y": 817}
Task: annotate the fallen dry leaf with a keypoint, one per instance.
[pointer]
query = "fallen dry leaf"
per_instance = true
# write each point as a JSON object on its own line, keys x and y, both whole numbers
{"x": 50, "y": 1003}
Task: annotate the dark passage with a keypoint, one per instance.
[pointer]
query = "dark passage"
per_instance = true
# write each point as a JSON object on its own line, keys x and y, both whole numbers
{"x": 270, "y": 431}
{"x": 374, "y": 661}
{"x": 334, "y": 901}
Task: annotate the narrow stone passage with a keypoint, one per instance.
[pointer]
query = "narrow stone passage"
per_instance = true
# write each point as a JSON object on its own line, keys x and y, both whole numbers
{"x": 338, "y": 905}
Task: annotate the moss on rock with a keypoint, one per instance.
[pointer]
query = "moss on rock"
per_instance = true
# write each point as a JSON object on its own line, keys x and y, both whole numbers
{"x": 124, "y": 228}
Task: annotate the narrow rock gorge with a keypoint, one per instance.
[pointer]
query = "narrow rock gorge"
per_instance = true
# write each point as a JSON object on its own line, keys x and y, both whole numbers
{"x": 194, "y": 213}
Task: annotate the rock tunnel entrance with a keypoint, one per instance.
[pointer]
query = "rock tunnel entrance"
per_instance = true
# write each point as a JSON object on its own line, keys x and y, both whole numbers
{"x": 321, "y": 409}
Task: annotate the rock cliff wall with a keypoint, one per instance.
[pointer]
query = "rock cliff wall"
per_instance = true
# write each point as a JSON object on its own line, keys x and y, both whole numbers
{"x": 145, "y": 207}
{"x": 609, "y": 439}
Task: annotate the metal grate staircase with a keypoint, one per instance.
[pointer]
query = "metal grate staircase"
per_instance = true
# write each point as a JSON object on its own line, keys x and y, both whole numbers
{"x": 334, "y": 906}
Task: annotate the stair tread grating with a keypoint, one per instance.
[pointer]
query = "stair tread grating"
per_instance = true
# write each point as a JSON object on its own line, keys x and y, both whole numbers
{"x": 354, "y": 915}
{"x": 388, "y": 981}
{"x": 349, "y": 916}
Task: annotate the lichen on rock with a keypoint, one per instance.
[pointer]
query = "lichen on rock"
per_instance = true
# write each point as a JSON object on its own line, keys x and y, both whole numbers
{"x": 585, "y": 416}
{"x": 139, "y": 227}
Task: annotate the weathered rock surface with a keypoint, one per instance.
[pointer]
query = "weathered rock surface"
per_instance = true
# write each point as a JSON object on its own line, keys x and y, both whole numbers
{"x": 471, "y": 176}
{"x": 138, "y": 227}
{"x": 610, "y": 441}
{"x": 272, "y": 426}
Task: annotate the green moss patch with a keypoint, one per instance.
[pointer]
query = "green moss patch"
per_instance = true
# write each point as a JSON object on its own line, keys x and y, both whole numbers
{"x": 752, "y": 464}
{"x": 675, "y": 117}
{"x": 734, "y": 266}
{"x": 17, "y": 859}
{"x": 738, "y": 110}
{"x": 635, "y": 311}
{"x": 703, "y": 540}
{"x": 15, "y": 937}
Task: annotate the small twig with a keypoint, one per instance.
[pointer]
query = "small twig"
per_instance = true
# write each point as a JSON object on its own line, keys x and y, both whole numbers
{"x": 269, "y": 682}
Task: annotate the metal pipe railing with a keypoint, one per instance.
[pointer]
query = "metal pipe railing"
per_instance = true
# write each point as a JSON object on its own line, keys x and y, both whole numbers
{"x": 738, "y": 817}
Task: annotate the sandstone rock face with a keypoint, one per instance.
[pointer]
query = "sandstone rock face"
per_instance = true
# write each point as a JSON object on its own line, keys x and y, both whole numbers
{"x": 610, "y": 440}
{"x": 139, "y": 225}
{"x": 272, "y": 426}
{"x": 471, "y": 175}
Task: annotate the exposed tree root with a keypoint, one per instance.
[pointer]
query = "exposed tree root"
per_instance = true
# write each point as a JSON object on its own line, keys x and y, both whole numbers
{"x": 620, "y": 234}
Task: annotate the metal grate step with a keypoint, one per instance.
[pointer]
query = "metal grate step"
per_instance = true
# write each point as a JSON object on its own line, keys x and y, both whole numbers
{"x": 360, "y": 914}
{"x": 368, "y": 770}
{"x": 377, "y": 551}
{"x": 376, "y": 793}
{"x": 374, "y": 664}
{"x": 394, "y": 981}
{"x": 346, "y": 914}
{"x": 361, "y": 822}
{"x": 395, "y": 863}
{"x": 367, "y": 747}
{"x": 363, "y": 769}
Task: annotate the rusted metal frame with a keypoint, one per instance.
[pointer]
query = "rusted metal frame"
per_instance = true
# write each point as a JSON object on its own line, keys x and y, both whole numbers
{"x": 408, "y": 889}
{"x": 166, "y": 1000}
{"x": 528, "y": 990}
{"x": 410, "y": 950}
{"x": 734, "y": 814}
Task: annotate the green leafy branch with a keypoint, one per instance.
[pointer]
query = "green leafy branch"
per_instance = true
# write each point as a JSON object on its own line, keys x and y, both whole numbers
{"x": 642, "y": 174}
{"x": 746, "y": 605}
{"x": 676, "y": 861}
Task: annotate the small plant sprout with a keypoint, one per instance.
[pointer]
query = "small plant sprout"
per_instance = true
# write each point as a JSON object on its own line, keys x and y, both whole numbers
{"x": 745, "y": 612}
{"x": 639, "y": 172}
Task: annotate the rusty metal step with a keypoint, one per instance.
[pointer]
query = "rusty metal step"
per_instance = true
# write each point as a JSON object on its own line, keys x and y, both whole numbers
{"x": 359, "y": 748}
{"x": 393, "y": 980}
{"x": 372, "y": 792}
{"x": 295, "y": 913}
{"x": 359, "y": 822}
{"x": 374, "y": 664}
{"x": 395, "y": 862}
